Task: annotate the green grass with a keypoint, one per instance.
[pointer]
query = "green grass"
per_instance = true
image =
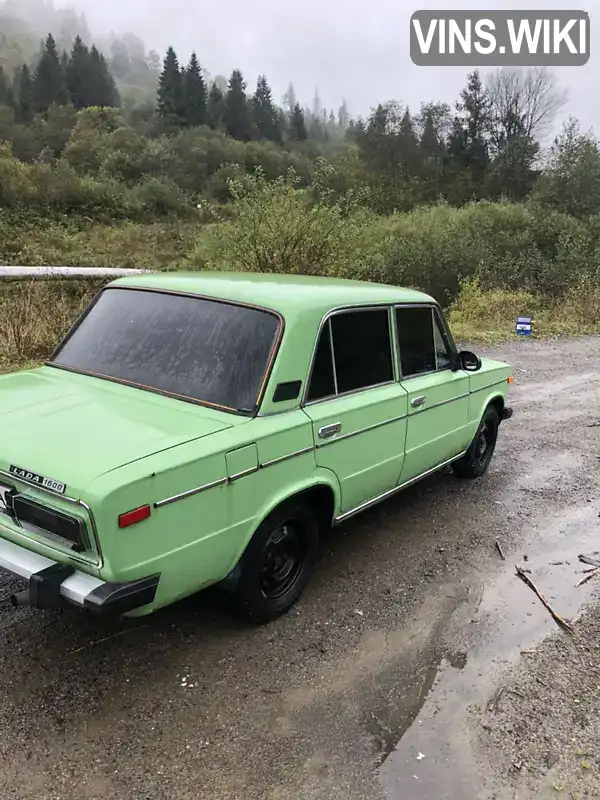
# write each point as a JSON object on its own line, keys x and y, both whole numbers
{"x": 489, "y": 317}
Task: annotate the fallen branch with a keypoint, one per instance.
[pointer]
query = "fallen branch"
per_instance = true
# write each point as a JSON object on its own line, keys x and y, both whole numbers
{"x": 494, "y": 703}
{"x": 592, "y": 559}
{"x": 591, "y": 573}
{"x": 556, "y": 617}
{"x": 499, "y": 549}
{"x": 108, "y": 638}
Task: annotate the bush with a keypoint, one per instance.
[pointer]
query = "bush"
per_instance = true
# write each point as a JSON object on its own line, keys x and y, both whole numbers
{"x": 58, "y": 189}
{"x": 34, "y": 241}
{"x": 503, "y": 245}
{"x": 276, "y": 228}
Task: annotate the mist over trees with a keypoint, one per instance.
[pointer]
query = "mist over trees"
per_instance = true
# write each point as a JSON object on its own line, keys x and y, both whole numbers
{"x": 167, "y": 123}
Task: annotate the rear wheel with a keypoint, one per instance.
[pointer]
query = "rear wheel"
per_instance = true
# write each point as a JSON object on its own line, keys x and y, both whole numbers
{"x": 477, "y": 459}
{"x": 278, "y": 562}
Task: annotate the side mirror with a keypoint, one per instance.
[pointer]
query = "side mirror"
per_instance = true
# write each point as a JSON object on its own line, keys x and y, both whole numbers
{"x": 469, "y": 361}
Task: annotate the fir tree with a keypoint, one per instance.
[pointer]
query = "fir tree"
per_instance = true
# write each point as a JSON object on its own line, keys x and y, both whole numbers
{"x": 78, "y": 75}
{"x": 430, "y": 144}
{"x": 24, "y": 98}
{"x": 216, "y": 108}
{"x": 6, "y": 92}
{"x": 265, "y": 113}
{"x": 170, "y": 91}
{"x": 289, "y": 100}
{"x": 49, "y": 84}
{"x": 468, "y": 141}
{"x": 297, "y": 130}
{"x": 317, "y": 105}
{"x": 102, "y": 90}
{"x": 409, "y": 145}
{"x": 343, "y": 116}
{"x": 237, "y": 118}
{"x": 195, "y": 98}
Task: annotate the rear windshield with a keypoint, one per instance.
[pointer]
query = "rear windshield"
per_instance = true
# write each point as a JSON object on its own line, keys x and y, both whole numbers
{"x": 203, "y": 350}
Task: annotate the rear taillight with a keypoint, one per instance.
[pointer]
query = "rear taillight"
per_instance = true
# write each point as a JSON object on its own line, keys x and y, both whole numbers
{"x": 133, "y": 517}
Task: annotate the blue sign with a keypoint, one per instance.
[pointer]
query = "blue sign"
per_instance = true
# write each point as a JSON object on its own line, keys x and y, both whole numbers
{"x": 524, "y": 326}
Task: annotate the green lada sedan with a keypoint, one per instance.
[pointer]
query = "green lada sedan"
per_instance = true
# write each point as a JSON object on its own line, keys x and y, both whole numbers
{"x": 201, "y": 429}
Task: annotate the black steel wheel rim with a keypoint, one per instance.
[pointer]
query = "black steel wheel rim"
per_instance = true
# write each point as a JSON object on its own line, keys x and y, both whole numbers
{"x": 284, "y": 557}
{"x": 484, "y": 443}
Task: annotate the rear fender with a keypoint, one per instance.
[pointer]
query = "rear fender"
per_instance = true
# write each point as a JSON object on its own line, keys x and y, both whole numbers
{"x": 320, "y": 478}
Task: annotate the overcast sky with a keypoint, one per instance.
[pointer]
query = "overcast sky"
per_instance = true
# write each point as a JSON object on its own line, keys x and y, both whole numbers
{"x": 348, "y": 49}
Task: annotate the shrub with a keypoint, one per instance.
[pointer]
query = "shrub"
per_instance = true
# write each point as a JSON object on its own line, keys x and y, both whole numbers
{"x": 34, "y": 241}
{"x": 277, "y": 229}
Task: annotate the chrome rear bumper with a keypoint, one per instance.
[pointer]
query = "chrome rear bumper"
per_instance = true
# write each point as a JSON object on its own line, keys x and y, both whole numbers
{"x": 52, "y": 584}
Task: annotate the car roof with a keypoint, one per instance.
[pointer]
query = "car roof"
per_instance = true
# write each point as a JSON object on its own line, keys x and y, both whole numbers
{"x": 281, "y": 293}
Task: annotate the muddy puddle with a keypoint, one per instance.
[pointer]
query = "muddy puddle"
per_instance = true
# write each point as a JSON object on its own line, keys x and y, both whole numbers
{"x": 432, "y": 758}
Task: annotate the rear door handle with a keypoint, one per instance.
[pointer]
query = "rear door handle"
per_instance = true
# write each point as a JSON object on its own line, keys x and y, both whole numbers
{"x": 330, "y": 430}
{"x": 418, "y": 401}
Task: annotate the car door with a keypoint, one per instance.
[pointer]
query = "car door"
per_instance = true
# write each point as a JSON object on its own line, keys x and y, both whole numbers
{"x": 357, "y": 407}
{"x": 438, "y": 397}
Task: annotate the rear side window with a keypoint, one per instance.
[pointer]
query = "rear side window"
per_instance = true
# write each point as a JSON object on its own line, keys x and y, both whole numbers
{"x": 322, "y": 383}
{"x": 354, "y": 352}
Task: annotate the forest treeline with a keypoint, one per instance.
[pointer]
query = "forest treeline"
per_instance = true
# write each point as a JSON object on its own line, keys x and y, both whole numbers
{"x": 71, "y": 147}
{"x": 93, "y": 124}
{"x": 114, "y": 156}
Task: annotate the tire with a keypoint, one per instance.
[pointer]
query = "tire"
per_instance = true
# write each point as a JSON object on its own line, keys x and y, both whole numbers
{"x": 477, "y": 459}
{"x": 278, "y": 563}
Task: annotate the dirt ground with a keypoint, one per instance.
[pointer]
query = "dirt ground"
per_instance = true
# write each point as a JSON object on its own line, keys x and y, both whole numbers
{"x": 542, "y": 727}
{"x": 384, "y": 681}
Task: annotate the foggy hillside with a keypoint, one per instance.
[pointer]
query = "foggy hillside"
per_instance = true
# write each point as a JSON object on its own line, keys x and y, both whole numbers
{"x": 346, "y": 51}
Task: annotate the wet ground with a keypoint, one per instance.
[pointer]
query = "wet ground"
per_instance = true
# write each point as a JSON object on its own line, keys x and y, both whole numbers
{"x": 366, "y": 690}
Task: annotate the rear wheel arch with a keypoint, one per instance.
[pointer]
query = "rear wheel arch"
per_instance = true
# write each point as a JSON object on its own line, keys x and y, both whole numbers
{"x": 321, "y": 497}
{"x": 322, "y": 500}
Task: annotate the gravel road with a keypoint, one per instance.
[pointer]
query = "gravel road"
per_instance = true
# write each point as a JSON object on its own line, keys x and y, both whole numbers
{"x": 379, "y": 684}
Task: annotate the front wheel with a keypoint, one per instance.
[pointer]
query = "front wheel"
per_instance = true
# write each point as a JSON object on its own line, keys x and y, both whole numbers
{"x": 477, "y": 459}
{"x": 278, "y": 562}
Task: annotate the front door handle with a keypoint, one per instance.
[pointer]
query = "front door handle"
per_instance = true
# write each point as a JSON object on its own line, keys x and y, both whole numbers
{"x": 418, "y": 401}
{"x": 330, "y": 430}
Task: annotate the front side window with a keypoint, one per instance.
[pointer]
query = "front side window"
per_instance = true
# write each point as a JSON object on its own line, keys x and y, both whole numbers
{"x": 442, "y": 348}
{"x": 203, "y": 350}
{"x": 423, "y": 344}
{"x": 354, "y": 352}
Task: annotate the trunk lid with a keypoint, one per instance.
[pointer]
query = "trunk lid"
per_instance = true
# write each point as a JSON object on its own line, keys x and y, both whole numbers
{"x": 72, "y": 428}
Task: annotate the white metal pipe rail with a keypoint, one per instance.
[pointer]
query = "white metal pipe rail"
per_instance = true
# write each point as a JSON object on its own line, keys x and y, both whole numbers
{"x": 67, "y": 272}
